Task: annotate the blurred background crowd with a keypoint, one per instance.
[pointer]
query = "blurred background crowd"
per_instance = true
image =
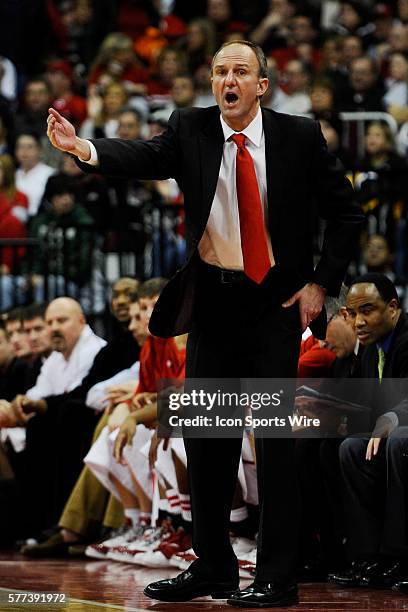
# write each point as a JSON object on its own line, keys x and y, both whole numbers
{"x": 118, "y": 68}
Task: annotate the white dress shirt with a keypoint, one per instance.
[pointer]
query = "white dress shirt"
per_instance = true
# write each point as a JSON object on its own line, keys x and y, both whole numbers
{"x": 96, "y": 397}
{"x": 220, "y": 244}
{"x": 59, "y": 375}
{"x": 33, "y": 183}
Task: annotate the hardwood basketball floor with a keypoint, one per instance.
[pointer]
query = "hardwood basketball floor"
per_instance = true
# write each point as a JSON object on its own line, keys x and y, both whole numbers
{"x": 94, "y": 586}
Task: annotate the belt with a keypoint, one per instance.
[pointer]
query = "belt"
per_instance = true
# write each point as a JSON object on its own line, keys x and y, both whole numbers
{"x": 225, "y": 277}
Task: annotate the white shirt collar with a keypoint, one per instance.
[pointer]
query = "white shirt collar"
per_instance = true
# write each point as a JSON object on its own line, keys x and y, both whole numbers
{"x": 253, "y": 131}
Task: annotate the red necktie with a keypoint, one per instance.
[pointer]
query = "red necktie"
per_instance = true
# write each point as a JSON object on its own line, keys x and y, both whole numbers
{"x": 253, "y": 237}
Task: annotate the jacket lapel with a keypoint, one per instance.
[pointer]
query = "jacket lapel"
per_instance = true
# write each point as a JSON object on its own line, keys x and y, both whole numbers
{"x": 211, "y": 142}
{"x": 275, "y": 171}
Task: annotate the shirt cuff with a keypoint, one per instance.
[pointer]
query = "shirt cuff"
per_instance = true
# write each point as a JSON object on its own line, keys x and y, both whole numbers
{"x": 93, "y": 160}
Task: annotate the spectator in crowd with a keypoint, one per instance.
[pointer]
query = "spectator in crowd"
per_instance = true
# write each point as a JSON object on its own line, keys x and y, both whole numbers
{"x": 199, "y": 43}
{"x": 273, "y": 31}
{"x": 322, "y": 99}
{"x": 103, "y": 111}
{"x": 59, "y": 74}
{"x": 297, "y": 80}
{"x": 352, "y": 48}
{"x": 204, "y": 94}
{"x": 36, "y": 99}
{"x": 116, "y": 61}
{"x": 91, "y": 191}
{"x": 377, "y": 256}
{"x": 219, "y": 12}
{"x": 370, "y": 465}
{"x": 32, "y": 174}
{"x": 47, "y": 427}
{"x": 383, "y": 22}
{"x": 31, "y": 115}
{"x": 332, "y": 63}
{"x": 169, "y": 63}
{"x": 10, "y": 227}
{"x": 183, "y": 95}
{"x": 365, "y": 91}
{"x": 397, "y": 40}
{"x": 353, "y": 19}
{"x": 381, "y": 184}
{"x": 396, "y": 86}
{"x": 10, "y": 196}
{"x": 67, "y": 240}
{"x": 274, "y": 97}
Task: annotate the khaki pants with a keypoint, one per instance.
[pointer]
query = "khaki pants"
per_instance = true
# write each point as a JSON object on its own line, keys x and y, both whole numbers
{"x": 90, "y": 504}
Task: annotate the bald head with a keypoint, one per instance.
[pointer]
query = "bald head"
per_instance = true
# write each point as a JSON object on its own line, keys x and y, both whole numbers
{"x": 66, "y": 322}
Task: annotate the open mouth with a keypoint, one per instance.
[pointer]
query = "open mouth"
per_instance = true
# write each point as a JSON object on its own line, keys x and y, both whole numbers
{"x": 231, "y": 98}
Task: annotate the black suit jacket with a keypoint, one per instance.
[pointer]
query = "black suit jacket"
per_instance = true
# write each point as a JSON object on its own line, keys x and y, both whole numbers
{"x": 302, "y": 179}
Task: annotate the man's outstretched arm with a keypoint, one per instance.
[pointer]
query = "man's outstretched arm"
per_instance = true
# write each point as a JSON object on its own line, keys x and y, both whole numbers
{"x": 155, "y": 159}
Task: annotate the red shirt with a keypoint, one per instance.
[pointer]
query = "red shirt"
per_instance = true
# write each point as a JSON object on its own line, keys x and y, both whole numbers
{"x": 160, "y": 358}
{"x": 10, "y": 227}
{"x": 314, "y": 361}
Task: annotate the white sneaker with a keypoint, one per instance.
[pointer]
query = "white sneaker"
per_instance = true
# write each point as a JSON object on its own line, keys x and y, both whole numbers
{"x": 118, "y": 537}
{"x": 171, "y": 543}
{"x": 242, "y": 546}
{"x": 148, "y": 540}
{"x": 183, "y": 560}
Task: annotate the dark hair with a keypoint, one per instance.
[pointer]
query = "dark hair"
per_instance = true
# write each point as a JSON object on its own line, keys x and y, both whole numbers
{"x": 126, "y": 110}
{"x": 16, "y": 314}
{"x": 384, "y": 286}
{"x": 38, "y": 79}
{"x": 31, "y": 134}
{"x": 260, "y": 55}
{"x": 153, "y": 287}
{"x": 59, "y": 184}
{"x": 33, "y": 311}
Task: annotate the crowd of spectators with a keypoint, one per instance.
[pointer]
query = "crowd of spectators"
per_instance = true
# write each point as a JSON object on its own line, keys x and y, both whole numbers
{"x": 120, "y": 68}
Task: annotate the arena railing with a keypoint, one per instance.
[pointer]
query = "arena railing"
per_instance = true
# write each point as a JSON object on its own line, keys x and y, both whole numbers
{"x": 353, "y": 139}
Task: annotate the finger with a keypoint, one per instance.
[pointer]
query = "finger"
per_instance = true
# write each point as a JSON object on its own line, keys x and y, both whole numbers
{"x": 119, "y": 444}
{"x": 304, "y": 319}
{"x": 376, "y": 445}
{"x": 291, "y": 301}
{"x": 55, "y": 114}
{"x": 368, "y": 451}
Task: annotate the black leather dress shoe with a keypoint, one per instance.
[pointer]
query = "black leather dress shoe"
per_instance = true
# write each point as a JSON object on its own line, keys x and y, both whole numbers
{"x": 265, "y": 595}
{"x": 401, "y": 587}
{"x": 384, "y": 577}
{"x": 187, "y": 586}
{"x": 356, "y": 575}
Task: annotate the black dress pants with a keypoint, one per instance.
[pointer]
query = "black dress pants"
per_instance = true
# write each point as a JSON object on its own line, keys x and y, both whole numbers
{"x": 376, "y": 496}
{"x": 56, "y": 445}
{"x": 241, "y": 331}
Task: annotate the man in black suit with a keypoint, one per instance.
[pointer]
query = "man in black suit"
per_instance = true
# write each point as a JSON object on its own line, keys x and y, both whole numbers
{"x": 242, "y": 267}
{"x": 375, "y": 469}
